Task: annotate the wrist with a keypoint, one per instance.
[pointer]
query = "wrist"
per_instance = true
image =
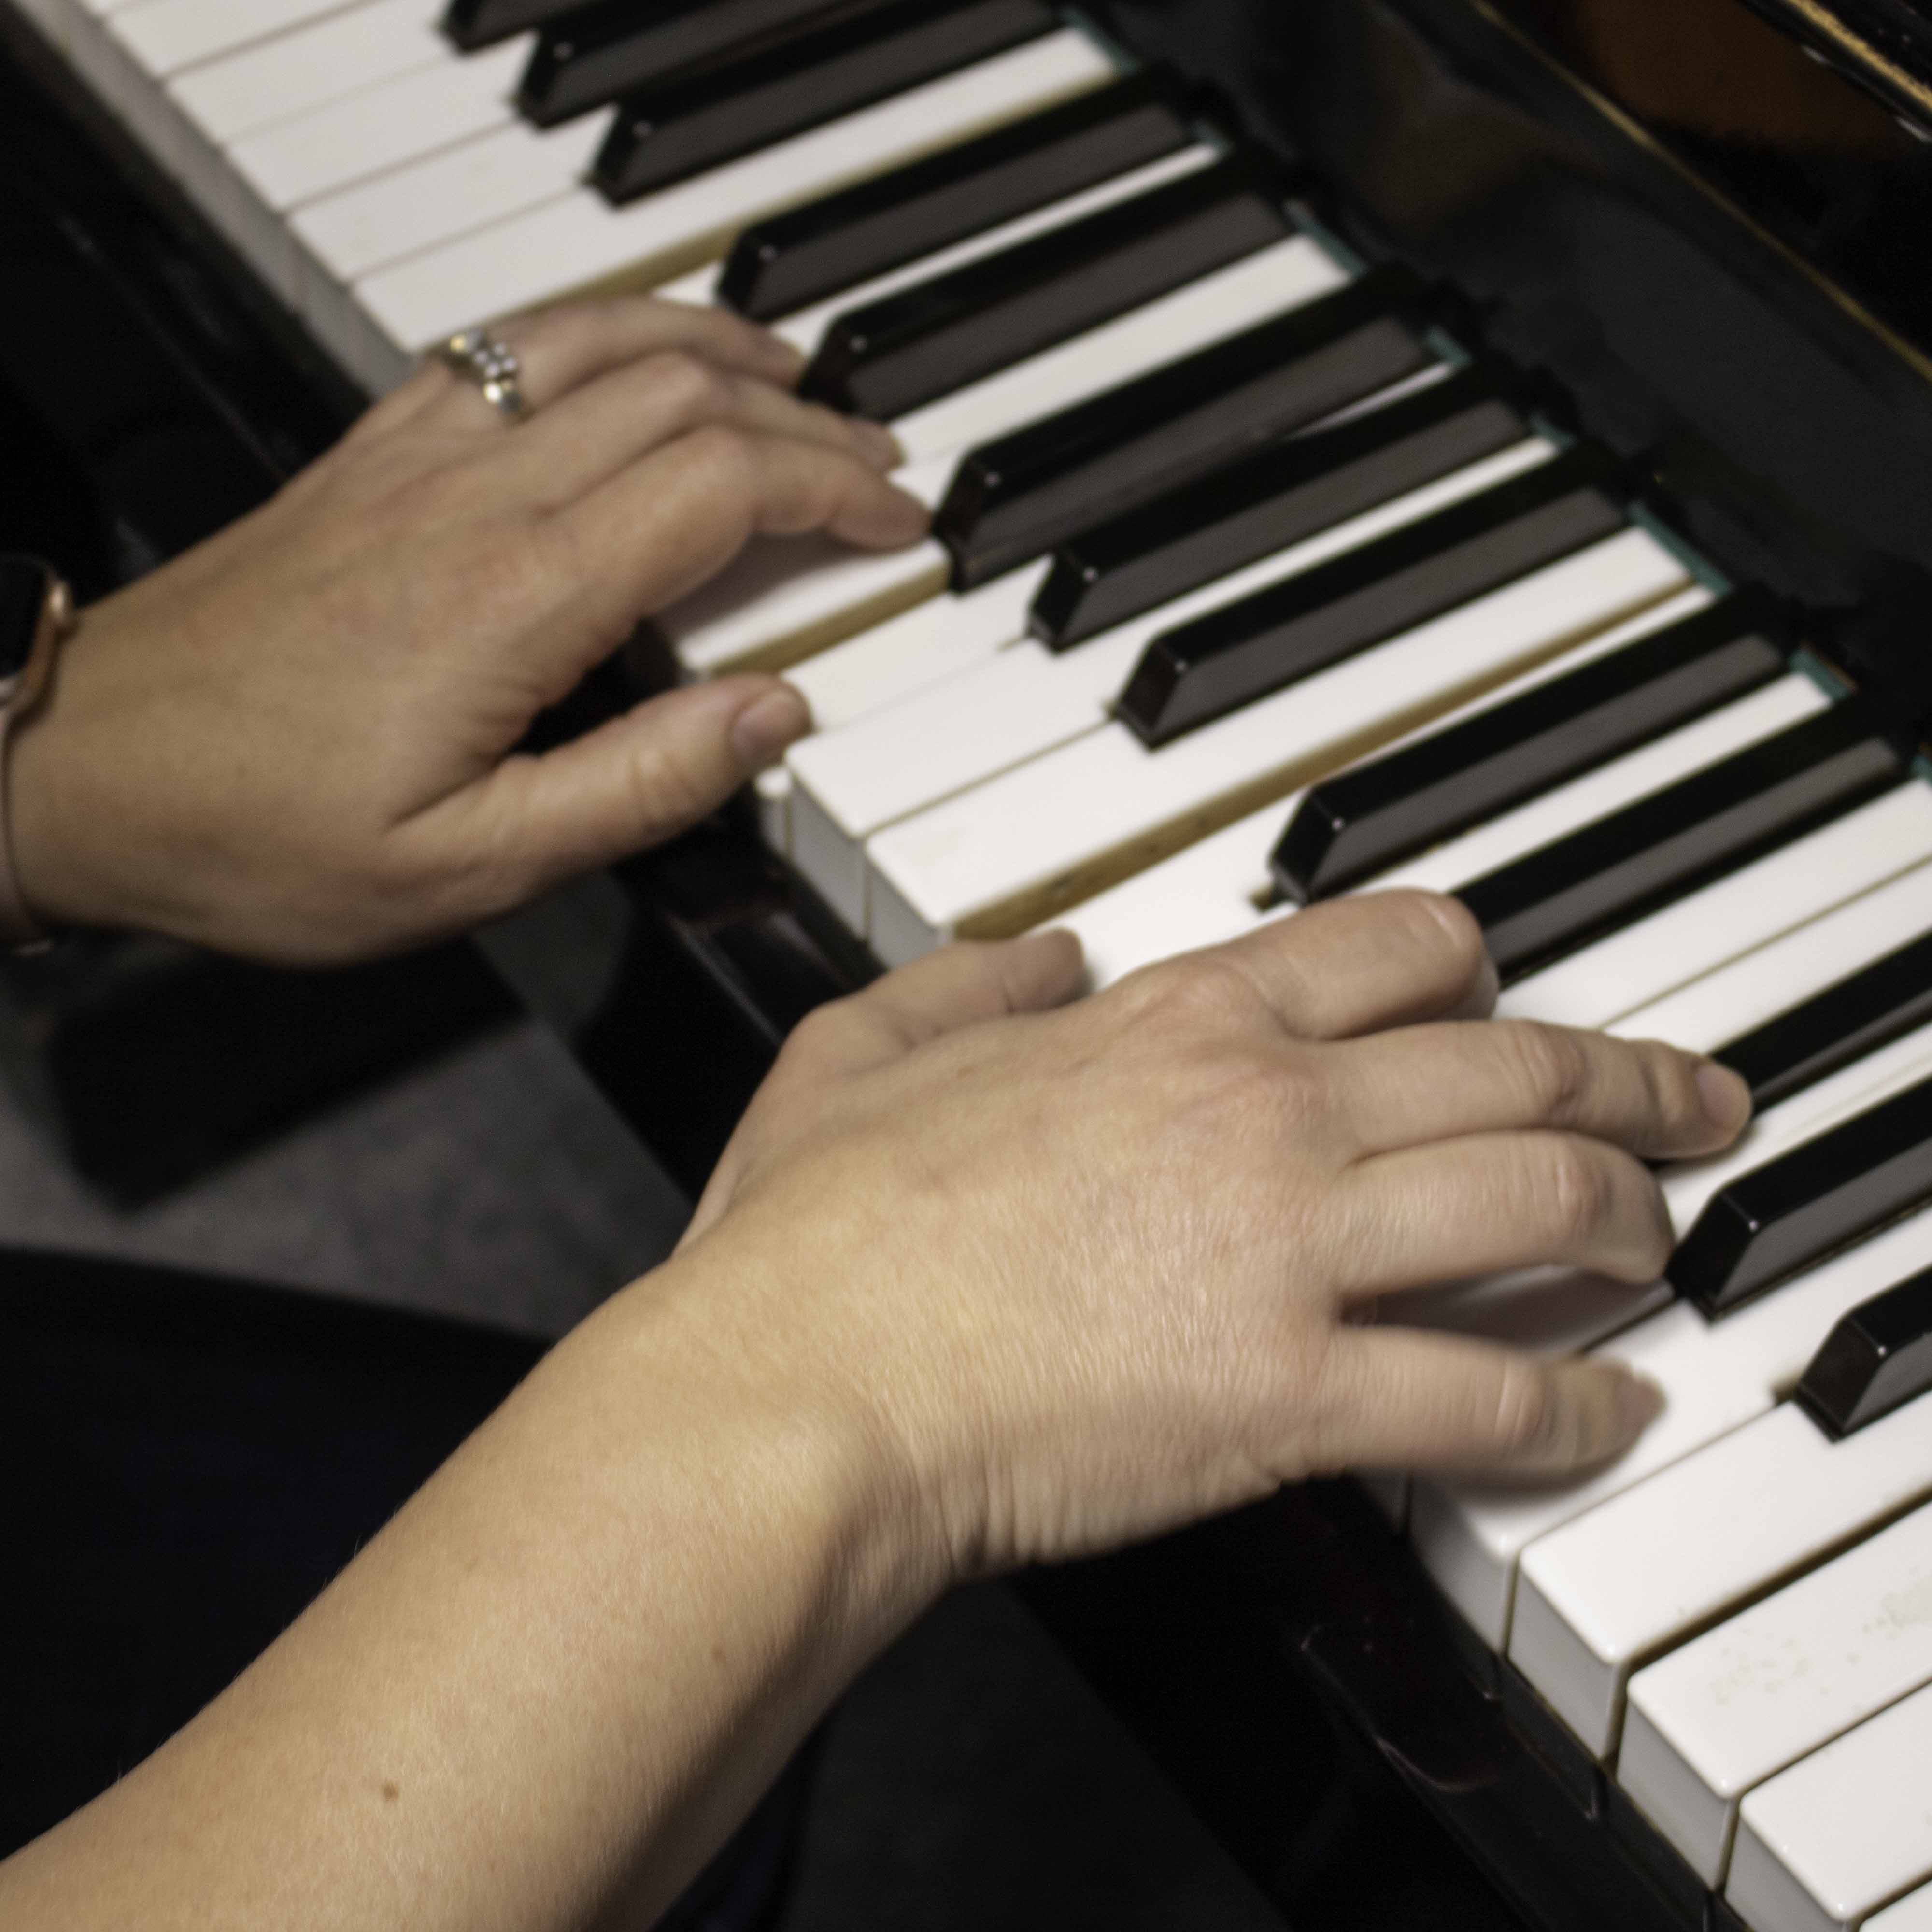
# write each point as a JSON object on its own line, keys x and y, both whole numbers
{"x": 792, "y": 1440}
{"x": 36, "y": 769}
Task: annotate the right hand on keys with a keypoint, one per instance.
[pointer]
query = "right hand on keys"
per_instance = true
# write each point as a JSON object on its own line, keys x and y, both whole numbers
{"x": 1089, "y": 1274}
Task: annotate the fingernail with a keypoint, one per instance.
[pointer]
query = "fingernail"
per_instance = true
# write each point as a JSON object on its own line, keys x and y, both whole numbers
{"x": 917, "y": 517}
{"x": 878, "y": 443}
{"x": 764, "y": 728}
{"x": 1638, "y": 1403}
{"x": 1726, "y": 1099}
{"x": 787, "y": 357}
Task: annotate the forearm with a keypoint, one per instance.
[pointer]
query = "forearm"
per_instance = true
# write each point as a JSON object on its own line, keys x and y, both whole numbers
{"x": 541, "y": 1696}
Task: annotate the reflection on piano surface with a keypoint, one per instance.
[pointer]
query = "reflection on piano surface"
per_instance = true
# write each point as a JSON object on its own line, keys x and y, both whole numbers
{"x": 1481, "y": 446}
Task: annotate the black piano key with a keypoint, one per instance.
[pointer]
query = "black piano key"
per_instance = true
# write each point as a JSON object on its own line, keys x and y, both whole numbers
{"x": 891, "y": 356}
{"x": 664, "y": 134}
{"x": 1189, "y": 676}
{"x": 1661, "y": 846}
{"x": 1225, "y": 521}
{"x": 1794, "y": 1211}
{"x": 1015, "y": 499}
{"x": 592, "y": 54}
{"x": 1857, "y": 1016}
{"x": 785, "y": 264}
{"x": 472, "y": 24}
{"x": 1876, "y": 1359}
{"x": 1355, "y": 824}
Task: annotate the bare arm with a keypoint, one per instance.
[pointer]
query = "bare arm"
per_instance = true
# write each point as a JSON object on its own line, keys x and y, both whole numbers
{"x": 980, "y": 1282}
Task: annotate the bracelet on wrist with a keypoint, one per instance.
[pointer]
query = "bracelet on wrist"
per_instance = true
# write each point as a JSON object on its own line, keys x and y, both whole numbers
{"x": 37, "y": 617}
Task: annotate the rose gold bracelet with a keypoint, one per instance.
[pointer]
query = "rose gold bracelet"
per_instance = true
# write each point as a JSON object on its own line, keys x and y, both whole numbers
{"x": 37, "y": 616}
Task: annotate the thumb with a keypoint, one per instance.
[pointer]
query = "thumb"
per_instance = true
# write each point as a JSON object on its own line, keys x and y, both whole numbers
{"x": 633, "y": 782}
{"x": 960, "y": 986}
{"x": 957, "y": 986}
{"x": 1400, "y": 1399}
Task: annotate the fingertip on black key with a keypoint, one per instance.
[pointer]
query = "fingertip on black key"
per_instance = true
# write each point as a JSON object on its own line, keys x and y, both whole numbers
{"x": 1802, "y": 1205}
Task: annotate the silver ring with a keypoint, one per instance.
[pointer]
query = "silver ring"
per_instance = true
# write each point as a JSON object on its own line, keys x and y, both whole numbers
{"x": 493, "y": 366}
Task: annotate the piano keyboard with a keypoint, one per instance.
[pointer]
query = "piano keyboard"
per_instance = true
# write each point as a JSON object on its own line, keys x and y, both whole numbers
{"x": 1248, "y": 585}
{"x": 1409, "y": 633}
{"x": 391, "y": 186}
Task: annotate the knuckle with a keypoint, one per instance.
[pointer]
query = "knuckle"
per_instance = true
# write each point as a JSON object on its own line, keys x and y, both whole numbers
{"x": 721, "y": 456}
{"x": 565, "y": 331}
{"x": 1579, "y": 1194}
{"x": 1554, "y": 1068}
{"x": 1670, "y": 1084}
{"x": 686, "y": 383}
{"x": 821, "y": 1031}
{"x": 668, "y": 791}
{"x": 543, "y": 555}
{"x": 1200, "y": 992}
{"x": 1528, "y": 1418}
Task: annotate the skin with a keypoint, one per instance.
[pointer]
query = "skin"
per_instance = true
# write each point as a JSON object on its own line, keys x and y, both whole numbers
{"x": 306, "y": 723}
{"x": 990, "y": 1273}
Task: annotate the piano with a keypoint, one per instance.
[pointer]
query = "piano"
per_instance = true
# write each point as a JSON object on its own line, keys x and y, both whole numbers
{"x": 1485, "y": 444}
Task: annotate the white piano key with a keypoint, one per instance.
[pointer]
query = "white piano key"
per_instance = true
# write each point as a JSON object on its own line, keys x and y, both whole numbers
{"x": 772, "y": 792}
{"x": 1055, "y": 831}
{"x": 806, "y": 329}
{"x": 391, "y": 217}
{"x": 580, "y": 242}
{"x": 1221, "y": 888}
{"x": 304, "y": 70}
{"x": 1024, "y": 701}
{"x": 781, "y": 589}
{"x": 1825, "y": 1844}
{"x": 917, "y": 649}
{"x": 1725, "y": 1005}
{"x": 1623, "y": 1583}
{"x": 1284, "y": 275}
{"x": 165, "y": 36}
{"x": 382, "y": 128}
{"x": 1714, "y": 1376}
{"x": 1736, "y": 1706}
{"x": 1912, "y": 1913}
{"x": 1753, "y": 905}
{"x": 788, "y": 597}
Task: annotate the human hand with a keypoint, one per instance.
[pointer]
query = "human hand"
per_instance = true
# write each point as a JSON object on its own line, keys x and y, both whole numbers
{"x": 295, "y": 741}
{"x": 1083, "y": 1275}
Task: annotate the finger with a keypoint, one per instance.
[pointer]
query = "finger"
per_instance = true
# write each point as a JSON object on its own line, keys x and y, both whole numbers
{"x": 426, "y": 383}
{"x": 612, "y": 419}
{"x": 1356, "y": 965}
{"x": 562, "y": 347}
{"x": 960, "y": 986}
{"x": 1398, "y": 1399}
{"x": 633, "y": 782}
{"x": 674, "y": 519}
{"x": 1491, "y": 1202}
{"x": 1424, "y": 1084}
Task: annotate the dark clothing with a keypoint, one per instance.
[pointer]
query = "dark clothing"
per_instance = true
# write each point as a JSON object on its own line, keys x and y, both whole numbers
{"x": 185, "y": 1462}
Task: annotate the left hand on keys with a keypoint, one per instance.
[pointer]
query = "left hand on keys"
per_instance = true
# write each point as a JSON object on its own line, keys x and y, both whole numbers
{"x": 296, "y": 741}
